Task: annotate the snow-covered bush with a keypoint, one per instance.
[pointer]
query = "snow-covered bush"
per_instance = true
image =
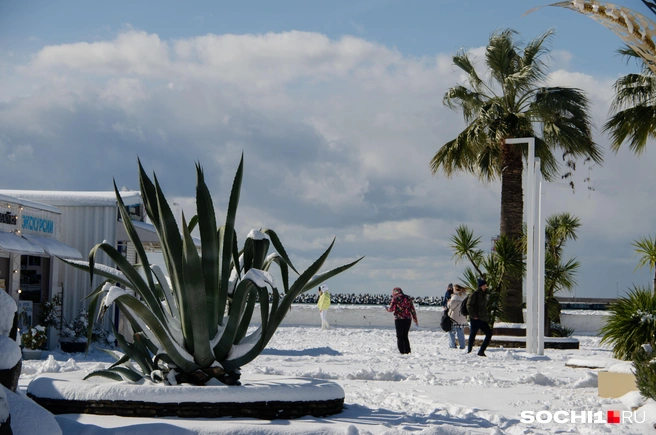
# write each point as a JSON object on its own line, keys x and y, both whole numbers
{"x": 558, "y": 330}
{"x": 34, "y": 338}
{"x": 195, "y": 328}
{"x": 632, "y": 322}
{"x": 51, "y": 315}
{"x": 74, "y": 331}
{"x": 644, "y": 362}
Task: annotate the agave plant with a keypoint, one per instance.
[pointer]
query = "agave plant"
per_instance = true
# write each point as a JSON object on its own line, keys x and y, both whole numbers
{"x": 194, "y": 326}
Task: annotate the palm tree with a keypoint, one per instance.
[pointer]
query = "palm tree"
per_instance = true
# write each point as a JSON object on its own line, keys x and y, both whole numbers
{"x": 559, "y": 274}
{"x": 504, "y": 262}
{"x": 635, "y": 94}
{"x": 514, "y": 102}
{"x": 634, "y": 106}
{"x": 646, "y": 248}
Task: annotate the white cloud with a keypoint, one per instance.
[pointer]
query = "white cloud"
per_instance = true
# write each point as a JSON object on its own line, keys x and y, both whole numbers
{"x": 124, "y": 93}
{"x": 337, "y": 136}
{"x": 131, "y": 52}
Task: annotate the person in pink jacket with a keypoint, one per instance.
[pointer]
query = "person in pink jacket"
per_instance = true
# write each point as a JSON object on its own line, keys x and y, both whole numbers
{"x": 404, "y": 313}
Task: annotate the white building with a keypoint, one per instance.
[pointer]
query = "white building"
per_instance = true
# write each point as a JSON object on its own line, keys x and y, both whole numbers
{"x": 30, "y": 244}
{"x": 46, "y": 224}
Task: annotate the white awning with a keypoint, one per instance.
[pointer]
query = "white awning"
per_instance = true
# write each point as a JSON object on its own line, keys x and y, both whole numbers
{"x": 10, "y": 242}
{"x": 54, "y": 247}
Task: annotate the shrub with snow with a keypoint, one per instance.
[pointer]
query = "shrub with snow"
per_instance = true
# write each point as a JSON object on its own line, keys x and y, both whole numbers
{"x": 74, "y": 331}
{"x": 632, "y": 322}
{"x": 644, "y": 362}
{"x": 34, "y": 338}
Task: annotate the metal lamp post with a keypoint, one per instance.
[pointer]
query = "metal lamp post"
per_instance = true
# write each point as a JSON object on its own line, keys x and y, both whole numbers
{"x": 534, "y": 250}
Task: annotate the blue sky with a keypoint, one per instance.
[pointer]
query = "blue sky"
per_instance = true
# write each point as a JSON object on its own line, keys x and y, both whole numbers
{"x": 337, "y": 107}
{"x": 416, "y": 28}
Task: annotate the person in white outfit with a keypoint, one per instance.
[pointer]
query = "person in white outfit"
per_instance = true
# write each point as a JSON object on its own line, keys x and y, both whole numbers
{"x": 459, "y": 321}
{"x": 323, "y": 304}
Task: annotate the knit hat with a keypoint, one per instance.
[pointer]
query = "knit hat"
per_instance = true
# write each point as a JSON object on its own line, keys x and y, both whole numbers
{"x": 324, "y": 288}
{"x": 450, "y": 286}
{"x": 481, "y": 282}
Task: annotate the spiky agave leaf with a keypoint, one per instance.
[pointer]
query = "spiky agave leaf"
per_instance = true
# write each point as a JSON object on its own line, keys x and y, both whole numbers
{"x": 209, "y": 251}
{"x": 228, "y": 242}
{"x": 142, "y": 319}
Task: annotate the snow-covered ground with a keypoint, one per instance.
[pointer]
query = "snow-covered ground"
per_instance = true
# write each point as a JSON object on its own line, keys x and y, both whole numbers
{"x": 434, "y": 390}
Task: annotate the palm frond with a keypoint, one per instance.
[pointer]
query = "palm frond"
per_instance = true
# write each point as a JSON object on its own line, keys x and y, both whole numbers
{"x": 636, "y": 124}
{"x": 462, "y": 61}
{"x": 646, "y": 248}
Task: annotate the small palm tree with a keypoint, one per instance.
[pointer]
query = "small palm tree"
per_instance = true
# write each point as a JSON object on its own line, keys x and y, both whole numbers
{"x": 513, "y": 103}
{"x": 632, "y": 323}
{"x": 559, "y": 275}
{"x": 505, "y": 262}
{"x": 646, "y": 248}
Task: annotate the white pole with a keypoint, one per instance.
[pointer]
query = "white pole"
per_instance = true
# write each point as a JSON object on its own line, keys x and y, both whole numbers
{"x": 540, "y": 262}
{"x": 531, "y": 297}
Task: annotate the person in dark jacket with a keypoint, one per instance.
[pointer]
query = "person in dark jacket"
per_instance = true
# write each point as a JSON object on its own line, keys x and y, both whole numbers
{"x": 479, "y": 317}
{"x": 404, "y": 314}
{"x": 447, "y": 295}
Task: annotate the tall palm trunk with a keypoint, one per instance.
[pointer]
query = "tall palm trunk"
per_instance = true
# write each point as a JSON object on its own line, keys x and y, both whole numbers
{"x": 512, "y": 212}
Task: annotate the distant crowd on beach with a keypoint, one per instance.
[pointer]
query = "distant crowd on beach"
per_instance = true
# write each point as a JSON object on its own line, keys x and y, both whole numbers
{"x": 367, "y": 299}
{"x": 460, "y": 309}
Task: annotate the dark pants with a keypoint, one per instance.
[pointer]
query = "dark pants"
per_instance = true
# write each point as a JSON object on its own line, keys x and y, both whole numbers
{"x": 473, "y": 329}
{"x": 402, "y": 329}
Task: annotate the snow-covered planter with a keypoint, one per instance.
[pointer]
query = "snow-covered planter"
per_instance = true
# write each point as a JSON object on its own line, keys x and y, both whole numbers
{"x": 195, "y": 328}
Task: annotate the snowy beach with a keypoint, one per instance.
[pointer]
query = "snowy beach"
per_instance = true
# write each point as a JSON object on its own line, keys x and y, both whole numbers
{"x": 434, "y": 390}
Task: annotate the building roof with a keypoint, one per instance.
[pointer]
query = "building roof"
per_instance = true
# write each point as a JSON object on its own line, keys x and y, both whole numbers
{"x": 28, "y": 203}
{"x": 75, "y": 199}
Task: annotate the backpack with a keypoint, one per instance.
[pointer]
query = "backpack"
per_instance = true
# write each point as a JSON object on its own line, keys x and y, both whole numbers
{"x": 463, "y": 307}
{"x": 446, "y": 322}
